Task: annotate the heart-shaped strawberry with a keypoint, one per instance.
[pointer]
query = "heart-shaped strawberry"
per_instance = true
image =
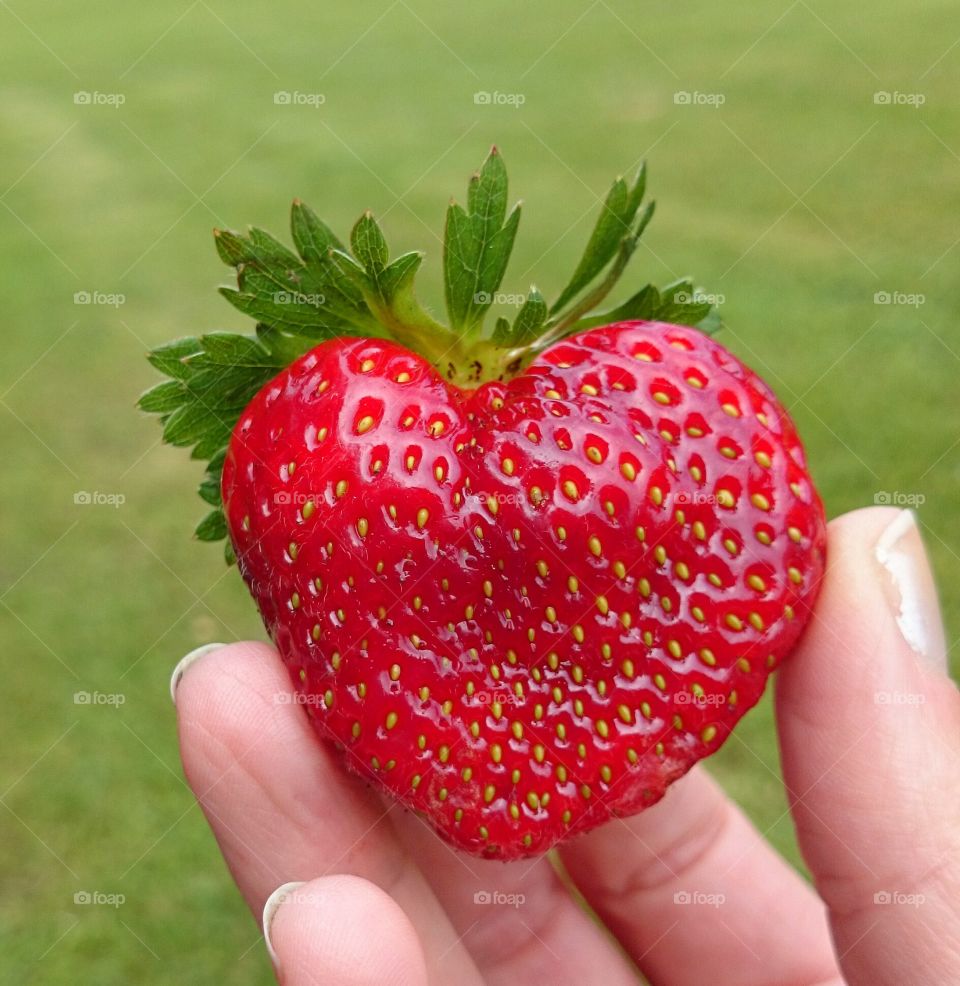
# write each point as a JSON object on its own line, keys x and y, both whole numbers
{"x": 524, "y": 598}
{"x": 527, "y": 607}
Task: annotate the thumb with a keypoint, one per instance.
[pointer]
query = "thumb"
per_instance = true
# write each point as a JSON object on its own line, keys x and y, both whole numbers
{"x": 869, "y": 727}
{"x": 341, "y": 931}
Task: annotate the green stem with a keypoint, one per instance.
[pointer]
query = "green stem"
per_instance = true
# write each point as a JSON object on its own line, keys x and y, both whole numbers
{"x": 469, "y": 360}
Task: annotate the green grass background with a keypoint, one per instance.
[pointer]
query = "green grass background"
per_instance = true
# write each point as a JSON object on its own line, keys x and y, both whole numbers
{"x": 798, "y": 199}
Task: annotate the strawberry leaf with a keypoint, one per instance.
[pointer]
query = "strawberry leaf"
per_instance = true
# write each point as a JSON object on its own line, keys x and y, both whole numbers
{"x": 214, "y": 378}
{"x": 711, "y": 323}
{"x": 213, "y": 527}
{"x": 369, "y": 245}
{"x": 223, "y": 349}
{"x": 169, "y": 358}
{"x": 667, "y": 305}
{"x": 678, "y": 303}
{"x": 502, "y": 332}
{"x": 312, "y": 237}
{"x": 305, "y": 295}
{"x": 477, "y": 245}
{"x": 387, "y": 288}
{"x": 614, "y": 223}
{"x": 530, "y": 319}
{"x": 209, "y": 491}
{"x": 163, "y": 398}
{"x": 323, "y": 289}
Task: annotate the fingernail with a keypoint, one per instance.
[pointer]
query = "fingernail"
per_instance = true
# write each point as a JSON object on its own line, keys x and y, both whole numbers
{"x": 911, "y": 589}
{"x": 185, "y": 663}
{"x": 270, "y": 909}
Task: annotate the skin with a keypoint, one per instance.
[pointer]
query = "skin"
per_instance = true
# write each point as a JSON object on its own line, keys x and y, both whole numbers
{"x": 873, "y": 784}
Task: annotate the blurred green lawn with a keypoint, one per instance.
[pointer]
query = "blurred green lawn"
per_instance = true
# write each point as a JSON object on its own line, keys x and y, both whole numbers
{"x": 798, "y": 200}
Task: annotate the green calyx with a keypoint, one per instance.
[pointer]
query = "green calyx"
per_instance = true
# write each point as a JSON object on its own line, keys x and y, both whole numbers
{"x": 326, "y": 289}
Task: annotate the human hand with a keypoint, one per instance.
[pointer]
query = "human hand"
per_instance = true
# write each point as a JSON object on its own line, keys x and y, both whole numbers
{"x": 689, "y": 892}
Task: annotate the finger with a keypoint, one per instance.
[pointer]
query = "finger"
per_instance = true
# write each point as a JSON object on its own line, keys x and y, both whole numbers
{"x": 519, "y": 921}
{"x": 341, "y": 931}
{"x": 280, "y": 805}
{"x": 689, "y": 884}
{"x": 870, "y": 731}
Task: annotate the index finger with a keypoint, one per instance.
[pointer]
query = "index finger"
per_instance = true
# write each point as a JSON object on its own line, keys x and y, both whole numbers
{"x": 870, "y": 731}
{"x": 281, "y": 809}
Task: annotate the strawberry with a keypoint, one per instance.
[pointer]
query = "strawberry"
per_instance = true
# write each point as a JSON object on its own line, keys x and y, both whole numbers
{"x": 525, "y": 579}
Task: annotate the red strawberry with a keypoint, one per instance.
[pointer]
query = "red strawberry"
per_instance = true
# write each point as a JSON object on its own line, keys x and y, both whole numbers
{"x": 527, "y": 607}
{"x": 523, "y": 599}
